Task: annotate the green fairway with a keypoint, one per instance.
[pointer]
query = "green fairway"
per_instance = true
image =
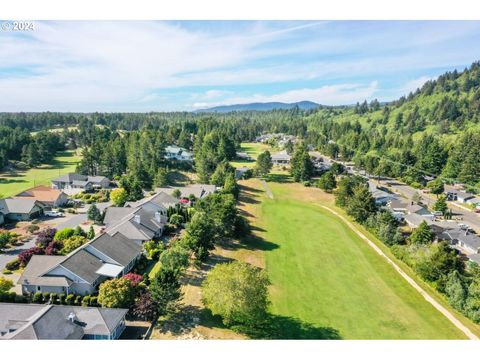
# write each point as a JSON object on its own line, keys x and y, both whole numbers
{"x": 252, "y": 149}
{"x": 12, "y": 184}
{"x": 325, "y": 275}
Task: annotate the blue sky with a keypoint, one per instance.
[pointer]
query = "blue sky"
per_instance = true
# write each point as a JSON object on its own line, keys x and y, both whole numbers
{"x": 179, "y": 65}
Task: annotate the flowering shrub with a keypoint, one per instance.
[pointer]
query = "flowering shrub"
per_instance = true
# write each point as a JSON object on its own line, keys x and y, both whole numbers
{"x": 25, "y": 256}
{"x": 134, "y": 279}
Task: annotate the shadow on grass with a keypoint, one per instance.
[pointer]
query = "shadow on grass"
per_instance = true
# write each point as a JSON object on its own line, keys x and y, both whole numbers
{"x": 177, "y": 178}
{"x": 280, "y": 178}
{"x": 275, "y": 327}
{"x": 249, "y": 189}
{"x": 250, "y": 242}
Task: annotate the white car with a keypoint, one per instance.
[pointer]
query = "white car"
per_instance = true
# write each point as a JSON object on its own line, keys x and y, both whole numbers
{"x": 53, "y": 213}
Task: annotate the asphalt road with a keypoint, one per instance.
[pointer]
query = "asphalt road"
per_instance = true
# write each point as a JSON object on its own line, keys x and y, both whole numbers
{"x": 11, "y": 254}
{"x": 464, "y": 216}
{"x": 78, "y": 219}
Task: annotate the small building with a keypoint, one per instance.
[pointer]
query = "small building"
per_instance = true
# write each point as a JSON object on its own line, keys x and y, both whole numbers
{"x": 77, "y": 181}
{"x": 20, "y": 209}
{"x": 174, "y": 152}
{"x": 281, "y": 158}
{"x": 46, "y": 195}
{"x": 59, "y": 322}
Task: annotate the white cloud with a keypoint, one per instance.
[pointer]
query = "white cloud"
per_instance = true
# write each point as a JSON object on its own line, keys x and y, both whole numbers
{"x": 340, "y": 94}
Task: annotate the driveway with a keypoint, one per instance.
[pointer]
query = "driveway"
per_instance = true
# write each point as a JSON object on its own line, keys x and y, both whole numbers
{"x": 79, "y": 219}
{"x": 12, "y": 253}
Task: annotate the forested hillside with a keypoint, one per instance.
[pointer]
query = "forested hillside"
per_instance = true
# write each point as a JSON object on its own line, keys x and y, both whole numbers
{"x": 433, "y": 131}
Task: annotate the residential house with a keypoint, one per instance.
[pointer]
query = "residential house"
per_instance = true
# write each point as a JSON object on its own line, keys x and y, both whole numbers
{"x": 161, "y": 199}
{"x": 464, "y": 196}
{"x": 58, "y": 322}
{"x": 381, "y": 197}
{"x": 46, "y": 195}
{"x": 20, "y": 209}
{"x": 173, "y": 152}
{"x": 438, "y": 226}
{"x": 281, "y": 158}
{"x": 77, "y": 181}
{"x": 137, "y": 224}
{"x": 81, "y": 271}
{"x": 198, "y": 190}
{"x": 464, "y": 240}
{"x": 475, "y": 201}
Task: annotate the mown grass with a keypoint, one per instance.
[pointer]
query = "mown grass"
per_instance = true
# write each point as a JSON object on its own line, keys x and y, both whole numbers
{"x": 12, "y": 183}
{"x": 252, "y": 149}
{"x": 325, "y": 276}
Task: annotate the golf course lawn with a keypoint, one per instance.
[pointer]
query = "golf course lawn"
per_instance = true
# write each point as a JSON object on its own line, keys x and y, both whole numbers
{"x": 323, "y": 274}
{"x": 252, "y": 149}
{"x": 12, "y": 184}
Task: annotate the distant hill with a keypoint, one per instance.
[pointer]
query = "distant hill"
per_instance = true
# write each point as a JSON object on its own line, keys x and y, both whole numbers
{"x": 302, "y": 105}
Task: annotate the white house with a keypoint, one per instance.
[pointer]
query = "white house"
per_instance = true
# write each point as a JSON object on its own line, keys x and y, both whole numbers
{"x": 174, "y": 152}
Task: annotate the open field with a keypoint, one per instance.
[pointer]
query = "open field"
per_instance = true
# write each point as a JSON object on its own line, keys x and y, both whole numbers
{"x": 252, "y": 149}
{"x": 324, "y": 274}
{"x": 13, "y": 183}
{"x": 326, "y": 281}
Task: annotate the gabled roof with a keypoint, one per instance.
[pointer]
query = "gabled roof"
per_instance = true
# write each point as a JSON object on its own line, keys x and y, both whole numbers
{"x": 40, "y": 193}
{"x": 70, "y": 177}
{"x": 40, "y": 265}
{"x": 42, "y": 322}
{"x": 282, "y": 155}
{"x": 161, "y": 199}
{"x": 469, "y": 239}
{"x": 198, "y": 190}
{"x": 117, "y": 247}
{"x": 96, "y": 179}
{"x": 83, "y": 264}
{"x": 17, "y": 206}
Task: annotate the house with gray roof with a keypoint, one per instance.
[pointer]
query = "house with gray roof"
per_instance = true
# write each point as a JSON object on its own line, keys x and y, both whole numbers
{"x": 464, "y": 240}
{"x": 58, "y": 322}
{"x": 198, "y": 190}
{"x": 77, "y": 181}
{"x": 160, "y": 199}
{"x": 281, "y": 158}
{"x": 20, "y": 209}
{"x": 137, "y": 224}
{"x": 81, "y": 271}
{"x": 174, "y": 152}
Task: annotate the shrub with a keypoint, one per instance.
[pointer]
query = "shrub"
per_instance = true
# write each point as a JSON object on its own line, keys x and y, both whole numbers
{"x": 53, "y": 298}
{"x": 64, "y": 234}
{"x": 73, "y": 243}
{"x": 37, "y": 297}
{"x": 45, "y": 237}
{"x": 86, "y": 300}
{"x": 78, "y": 300}
{"x": 7, "y": 297}
{"x": 46, "y": 296}
{"x": 61, "y": 298}
{"x": 25, "y": 256}
{"x": 32, "y": 228}
{"x": 35, "y": 221}
{"x": 7, "y": 272}
{"x": 134, "y": 279}
{"x": 93, "y": 301}
{"x": 70, "y": 299}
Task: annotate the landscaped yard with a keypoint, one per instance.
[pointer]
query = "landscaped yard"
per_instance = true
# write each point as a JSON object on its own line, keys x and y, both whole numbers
{"x": 13, "y": 183}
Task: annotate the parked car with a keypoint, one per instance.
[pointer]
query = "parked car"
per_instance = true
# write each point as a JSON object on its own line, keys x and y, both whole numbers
{"x": 53, "y": 213}
{"x": 477, "y": 210}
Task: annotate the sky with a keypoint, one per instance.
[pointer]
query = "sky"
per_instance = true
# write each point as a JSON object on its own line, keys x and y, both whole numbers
{"x": 141, "y": 66}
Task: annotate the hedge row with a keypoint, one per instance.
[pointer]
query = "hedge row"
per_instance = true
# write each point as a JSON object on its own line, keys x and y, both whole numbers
{"x": 53, "y": 298}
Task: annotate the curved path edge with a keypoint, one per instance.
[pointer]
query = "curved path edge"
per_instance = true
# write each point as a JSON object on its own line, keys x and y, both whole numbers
{"x": 412, "y": 282}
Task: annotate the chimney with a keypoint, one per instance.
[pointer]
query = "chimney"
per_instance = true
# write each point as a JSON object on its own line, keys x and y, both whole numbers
{"x": 137, "y": 219}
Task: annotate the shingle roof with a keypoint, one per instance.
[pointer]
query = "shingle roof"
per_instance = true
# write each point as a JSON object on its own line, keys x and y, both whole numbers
{"x": 35, "y": 321}
{"x": 40, "y": 193}
{"x": 198, "y": 190}
{"x": 38, "y": 266}
{"x": 83, "y": 264}
{"x": 117, "y": 247}
{"x": 162, "y": 199}
{"x": 70, "y": 177}
{"x": 469, "y": 239}
{"x": 115, "y": 214}
{"x": 17, "y": 206}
